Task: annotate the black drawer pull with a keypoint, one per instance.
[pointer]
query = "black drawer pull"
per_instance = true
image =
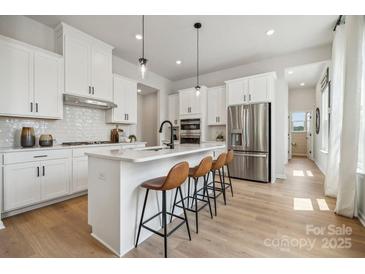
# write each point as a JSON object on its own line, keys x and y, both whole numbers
{"x": 44, "y": 171}
{"x": 37, "y": 171}
{"x": 40, "y": 156}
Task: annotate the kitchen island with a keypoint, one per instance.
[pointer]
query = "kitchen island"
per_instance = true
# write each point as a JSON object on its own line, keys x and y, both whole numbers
{"x": 115, "y": 199}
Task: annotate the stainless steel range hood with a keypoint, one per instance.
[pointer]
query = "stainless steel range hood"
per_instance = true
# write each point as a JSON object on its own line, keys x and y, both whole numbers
{"x": 74, "y": 100}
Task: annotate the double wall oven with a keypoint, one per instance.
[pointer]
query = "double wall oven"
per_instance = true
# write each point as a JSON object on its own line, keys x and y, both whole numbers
{"x": 190, "y": 131}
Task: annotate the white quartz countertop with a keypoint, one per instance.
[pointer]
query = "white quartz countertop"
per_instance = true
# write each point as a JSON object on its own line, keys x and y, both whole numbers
{"x": 37, "y": 148}
{"x": 154, "y": 153}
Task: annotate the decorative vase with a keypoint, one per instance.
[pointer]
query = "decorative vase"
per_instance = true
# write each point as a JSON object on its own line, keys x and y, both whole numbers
{"x": 46, "y": 140}
{"x": 27, "y": 137}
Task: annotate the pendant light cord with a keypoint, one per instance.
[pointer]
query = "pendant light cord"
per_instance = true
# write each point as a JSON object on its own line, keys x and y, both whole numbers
{"x": 143, "y": 38}
{"x": 197, "y": 57}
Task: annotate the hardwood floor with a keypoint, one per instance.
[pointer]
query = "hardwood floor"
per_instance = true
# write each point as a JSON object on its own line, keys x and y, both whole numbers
{"x": 259, "y": 221}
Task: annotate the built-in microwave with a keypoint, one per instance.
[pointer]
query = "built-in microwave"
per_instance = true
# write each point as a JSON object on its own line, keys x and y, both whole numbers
{"x": 190, "y": 131}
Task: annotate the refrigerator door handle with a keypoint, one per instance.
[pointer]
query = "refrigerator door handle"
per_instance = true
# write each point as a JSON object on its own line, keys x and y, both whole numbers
{"x": 251, "y": 155}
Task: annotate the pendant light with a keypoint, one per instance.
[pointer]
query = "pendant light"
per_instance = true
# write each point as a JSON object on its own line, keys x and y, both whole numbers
{"x": 197, "y": 26}
{"x": 143, "y": 61}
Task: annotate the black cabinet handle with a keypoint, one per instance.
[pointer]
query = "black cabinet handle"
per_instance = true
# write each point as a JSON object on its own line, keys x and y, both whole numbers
{"x": 244, "y": 98}
{"x": 36, "y": 107}
{"x": 89, "y": 89}
{"x": 249, "y": 97}
{"x": 93, "y": 90}
{"x": 37, "y": 171}
{"x": 39, "y": 156}
{"x": 31, "y": 107}
{"x": 44, "y": 171}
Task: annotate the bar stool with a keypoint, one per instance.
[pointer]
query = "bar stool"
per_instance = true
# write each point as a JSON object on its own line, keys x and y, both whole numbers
{"x": 176, "y": 176}
{"x": 217, "y": 166}
{"x": 229, "y": 159}
{"x": 202, "y": 170}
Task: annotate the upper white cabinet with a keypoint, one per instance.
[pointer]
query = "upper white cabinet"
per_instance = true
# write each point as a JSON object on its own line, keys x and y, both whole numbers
{"x": 173, "y": 109}
{"x": 31, "y": 81}
{"x": 125, "y": 96}
{"x": 253, "y": 89}
{"x": 190, "y": 102}
{"x": 216, "y": 106}
{"x": 88, "y": 63}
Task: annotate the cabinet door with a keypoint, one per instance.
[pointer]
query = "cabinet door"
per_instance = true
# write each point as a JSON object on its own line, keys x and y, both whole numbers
{"x": 119, "y": 97}
{"x": 195, "y": 102}
{"x": 16, "y": 79}
{"x": 21, "y": 185}
{"x": 221, "y": 105}
{"x": 55, "y": 178}
{"x": 131, "y": 101}
{"x": 101, "y": 71}
{"x": 48, "y": 85}
{"x": 213, "y": 105}
{"x": 77, "y": 66}
{"x": 184, "y": 102}
{"x": 236, "y": 93}
{"x": 79, "y": 174}
{"x": 258, "y": 89}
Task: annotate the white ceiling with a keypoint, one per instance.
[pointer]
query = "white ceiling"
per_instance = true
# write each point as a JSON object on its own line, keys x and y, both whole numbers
{"x": 307, "y": 74}
{"x": 226, "y": 41}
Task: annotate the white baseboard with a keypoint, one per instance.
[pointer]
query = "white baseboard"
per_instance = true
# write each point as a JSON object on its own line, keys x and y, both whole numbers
{"x": 361, "y": 217}
{"x": 281, "y": 176}
{"x": 1, "y": 225}
{"x": 319, "y": 167}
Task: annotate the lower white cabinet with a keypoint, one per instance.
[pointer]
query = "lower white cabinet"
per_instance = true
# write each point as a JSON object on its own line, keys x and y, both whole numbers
{"x": 22, "y": 185}
{"x": 79, "y": 174}
{"x": 36, "y": 181}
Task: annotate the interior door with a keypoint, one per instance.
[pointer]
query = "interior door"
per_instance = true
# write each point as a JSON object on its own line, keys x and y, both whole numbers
{"x": 101, "y": 71}
{"x": 16, "y": 79}
{"x": 48, "y": 85}
{"x": 290, "y": 136}
{"x": 55, "y": 178}
{"x": 309, "y": 136}
{"x": 258, "y": 87}
{"x": 21, "y": 185}
{"x": 77, "y": 66}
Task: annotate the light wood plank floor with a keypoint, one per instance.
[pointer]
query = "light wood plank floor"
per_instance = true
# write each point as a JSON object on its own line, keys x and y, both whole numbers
{"x": 257, "y": 222}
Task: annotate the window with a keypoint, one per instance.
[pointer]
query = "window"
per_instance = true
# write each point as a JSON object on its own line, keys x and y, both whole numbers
{"x": 298, "y": 122}
{"x": 324, "y": 118}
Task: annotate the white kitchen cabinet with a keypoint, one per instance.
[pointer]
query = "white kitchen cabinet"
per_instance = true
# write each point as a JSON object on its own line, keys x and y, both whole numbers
{"x": 173, "y": 109}
{"x": 190, "y": 102}
{"x": 22, "y": 185}
{"x": 55, "y": 178}
{"x": 79, "y": 174}
{"x": 252, "y": 89}
{"x": 125, "y": 96}
{"x": 48, "y": 85}
{"x": 88, "y": 63}
{"x": 216, "y": 106}
{"x": 30, "y": 81}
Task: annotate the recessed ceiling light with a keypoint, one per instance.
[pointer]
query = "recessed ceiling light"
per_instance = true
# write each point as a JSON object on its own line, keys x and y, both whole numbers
{"x": 139, "y": 36}
{"x": 178, "y": 62}
{"x": 138, "y": 90}
{"x": 302, "y": 84}
{"x": 270, "y": 32}
{"x": 290, "y": 72}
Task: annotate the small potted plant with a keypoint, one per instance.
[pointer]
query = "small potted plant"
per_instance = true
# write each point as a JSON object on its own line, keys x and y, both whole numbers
{"x": 220, "y": 137}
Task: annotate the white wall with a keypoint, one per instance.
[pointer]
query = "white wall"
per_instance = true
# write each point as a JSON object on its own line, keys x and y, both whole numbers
{"x": 148, "y": 126}
{"x": 302, "y": 99}
{"x": 30, "y": 31}
{"x": 320, "y": 157}
{"x": 277, "y": 64}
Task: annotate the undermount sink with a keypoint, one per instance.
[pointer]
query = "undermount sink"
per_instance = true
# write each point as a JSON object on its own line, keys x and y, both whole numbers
{"x": 156, "y": 148}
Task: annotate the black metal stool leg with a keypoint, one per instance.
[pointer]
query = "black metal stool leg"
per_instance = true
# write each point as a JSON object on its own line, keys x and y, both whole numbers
{"x": 164, "y": 221}
{"x": 206, "y": 190}
{"x": 214, "y": 197}
{"x": 196, "y": 203}
{"x": 222, "y": 186}
{"x": 186, "y": 217}
{"x": 173, "y": 206}
{"x": 188, "y": 191}
{"x": 229, "y": 178}
{"x": 140, "y": 223}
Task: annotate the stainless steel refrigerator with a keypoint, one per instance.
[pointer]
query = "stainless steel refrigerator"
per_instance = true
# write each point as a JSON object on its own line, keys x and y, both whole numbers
{"x": 249, "y": 135}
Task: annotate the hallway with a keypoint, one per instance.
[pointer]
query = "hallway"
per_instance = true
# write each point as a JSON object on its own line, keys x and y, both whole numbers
{"x": 261, "y": 220}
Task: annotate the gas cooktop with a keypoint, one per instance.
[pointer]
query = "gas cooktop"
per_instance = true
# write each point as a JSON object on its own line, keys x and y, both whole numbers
{"x": 86, "y": 143}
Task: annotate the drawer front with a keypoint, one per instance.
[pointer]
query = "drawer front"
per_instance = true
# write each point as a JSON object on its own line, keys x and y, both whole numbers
{"x": 31, "y": 156}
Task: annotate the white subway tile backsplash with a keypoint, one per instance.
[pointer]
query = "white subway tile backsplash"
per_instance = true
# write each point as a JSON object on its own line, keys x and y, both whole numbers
{"x": 78, "y": 124}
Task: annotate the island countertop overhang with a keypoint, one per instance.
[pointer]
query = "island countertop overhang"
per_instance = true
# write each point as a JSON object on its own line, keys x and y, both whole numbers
{"x": 145, "y": 155}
